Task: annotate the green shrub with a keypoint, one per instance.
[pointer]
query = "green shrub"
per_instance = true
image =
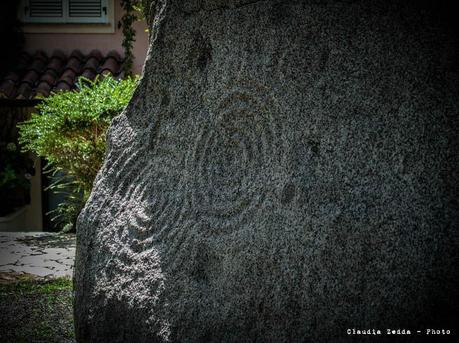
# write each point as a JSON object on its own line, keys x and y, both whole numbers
{"x": 69, "y": 131}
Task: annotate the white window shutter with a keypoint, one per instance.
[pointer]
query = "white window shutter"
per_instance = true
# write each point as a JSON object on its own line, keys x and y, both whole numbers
{"x": 44, "y": 11}
{"x": 65, "y": 11}
{"x": 87, "y": 11}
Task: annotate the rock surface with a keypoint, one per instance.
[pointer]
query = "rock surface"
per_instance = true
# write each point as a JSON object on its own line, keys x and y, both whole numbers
{"x": 284, "y": 171}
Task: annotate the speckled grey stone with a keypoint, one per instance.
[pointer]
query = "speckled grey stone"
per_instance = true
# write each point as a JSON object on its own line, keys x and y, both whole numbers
{"x": 285, "y": 170}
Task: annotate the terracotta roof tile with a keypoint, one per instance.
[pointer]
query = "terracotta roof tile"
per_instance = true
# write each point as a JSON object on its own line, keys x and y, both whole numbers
{"x": 37, "y": 74}
{"x": 30, "y": 77}
{"x": 92, "y": 63}
{"x": 43, "y": 89}
{"x": 110, "y": 65}
{"x": 96, "y": 54}
{"x": 38, "y": 65}
{"x": 68, "y": 77}
{"x": 55, "y": 64}
{"x": 24, "y": 91}
{"x": 89, "y": 74}
{"x": 62, "y": 86}
{"x": 12, "y": 76}
{"x": 77, "y": 54}
{"x": 7, "y": 89}
{"x": 49, "y": 77}
{"x": 114, "y": 54}
{"x": 74, "y": 64}
{"x": 40, "y": 55}
{"x": 59, "y": 54}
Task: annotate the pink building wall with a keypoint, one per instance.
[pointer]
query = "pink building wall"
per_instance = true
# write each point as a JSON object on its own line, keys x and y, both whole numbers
{"x": 35, "y": 39}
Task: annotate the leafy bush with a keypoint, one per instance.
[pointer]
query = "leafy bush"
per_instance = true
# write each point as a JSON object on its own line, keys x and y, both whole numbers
{"x": 69, "y": 131}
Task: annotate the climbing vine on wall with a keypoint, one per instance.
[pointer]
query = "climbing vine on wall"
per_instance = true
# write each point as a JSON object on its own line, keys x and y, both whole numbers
{"x": 132, "y": 9}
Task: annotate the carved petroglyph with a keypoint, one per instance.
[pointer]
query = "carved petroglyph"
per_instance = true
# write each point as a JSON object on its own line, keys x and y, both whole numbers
{"x": 153, "y": 209}
{"x": 242, "y": 142}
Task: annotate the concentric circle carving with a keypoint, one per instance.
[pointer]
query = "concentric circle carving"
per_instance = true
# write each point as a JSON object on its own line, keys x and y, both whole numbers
{"x": 147, "y": 200}
{"x": 233, "y": 163}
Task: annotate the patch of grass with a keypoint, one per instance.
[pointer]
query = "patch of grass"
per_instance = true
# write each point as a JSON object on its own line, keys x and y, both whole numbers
{"x": 30, "y": 285}
{"x": 36, "y": 311}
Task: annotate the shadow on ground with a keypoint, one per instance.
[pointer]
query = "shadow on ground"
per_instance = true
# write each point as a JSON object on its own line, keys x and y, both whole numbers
{"x": 35, "y": 309}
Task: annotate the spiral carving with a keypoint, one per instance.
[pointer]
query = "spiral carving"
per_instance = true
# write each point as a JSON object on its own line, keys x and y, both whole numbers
{"x": 232, "y": 165}
{"x": 235, "y": 156}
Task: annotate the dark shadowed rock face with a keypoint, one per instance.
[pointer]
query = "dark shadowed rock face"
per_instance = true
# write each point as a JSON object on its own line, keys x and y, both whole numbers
{"x": 285, "y": 170}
